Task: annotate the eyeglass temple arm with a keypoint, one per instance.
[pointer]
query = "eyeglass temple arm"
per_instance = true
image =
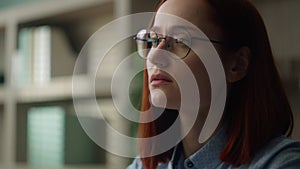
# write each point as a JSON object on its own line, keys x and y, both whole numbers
{"x": 209, "y": 40}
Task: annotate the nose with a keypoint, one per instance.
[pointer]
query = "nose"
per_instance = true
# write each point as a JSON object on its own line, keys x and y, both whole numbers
{"x": 159, "y": 56}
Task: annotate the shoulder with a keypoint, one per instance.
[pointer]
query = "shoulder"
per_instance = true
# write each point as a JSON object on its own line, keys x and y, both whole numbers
{"x": 136, "y": 164}
{"x": 280, "y": 152}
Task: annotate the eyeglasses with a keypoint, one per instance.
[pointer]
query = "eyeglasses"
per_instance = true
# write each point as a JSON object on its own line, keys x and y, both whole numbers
{"x": 178, "y": 44}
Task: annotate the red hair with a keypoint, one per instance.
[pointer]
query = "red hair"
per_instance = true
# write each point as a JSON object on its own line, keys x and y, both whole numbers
{"x": 257, "y": 108}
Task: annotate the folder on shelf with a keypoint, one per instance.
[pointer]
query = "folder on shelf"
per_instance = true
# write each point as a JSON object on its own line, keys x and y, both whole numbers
{"x": 46, "y": 136}
{"x": 55, "y": 137}
{"x": 43, "y": 53}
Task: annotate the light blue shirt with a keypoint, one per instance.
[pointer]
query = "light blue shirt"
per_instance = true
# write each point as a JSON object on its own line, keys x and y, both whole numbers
{"x": 279, "y": 153}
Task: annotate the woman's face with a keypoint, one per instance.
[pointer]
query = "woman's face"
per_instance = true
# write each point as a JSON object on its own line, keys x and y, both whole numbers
{"x": 162, "y": 68}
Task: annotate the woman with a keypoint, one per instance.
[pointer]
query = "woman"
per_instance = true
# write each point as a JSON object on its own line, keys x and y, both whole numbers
{"x": 257, "y": 116}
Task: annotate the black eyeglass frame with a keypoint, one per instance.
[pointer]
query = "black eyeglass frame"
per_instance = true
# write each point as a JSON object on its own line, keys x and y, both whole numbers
{"x": 159, "y": 39}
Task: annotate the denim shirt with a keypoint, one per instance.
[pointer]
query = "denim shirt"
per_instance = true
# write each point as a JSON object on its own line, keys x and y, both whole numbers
{"x": 279, "y": 153}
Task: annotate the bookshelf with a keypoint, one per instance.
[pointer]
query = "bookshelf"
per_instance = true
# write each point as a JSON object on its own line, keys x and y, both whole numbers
{"x": 71, "y": 23}
{"x": 74, "y": 22}
{"x": 2, "y": 53}
{"x": 1, "y": 129}
{"x": 2, "y": 94}
{"x": 60, "y": 89}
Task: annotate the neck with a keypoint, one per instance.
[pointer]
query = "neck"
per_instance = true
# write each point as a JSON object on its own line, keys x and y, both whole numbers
{"x": 190, "y": 142}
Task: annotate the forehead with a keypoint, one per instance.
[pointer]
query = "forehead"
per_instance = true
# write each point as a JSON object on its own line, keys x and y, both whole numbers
{"x": 197, "y": 12}
{"x": 189, "y": 10}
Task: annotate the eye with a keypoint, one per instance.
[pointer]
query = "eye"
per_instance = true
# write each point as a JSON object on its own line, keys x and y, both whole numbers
{"x": 153, "y": 42}
{"x": 153, "y": 39}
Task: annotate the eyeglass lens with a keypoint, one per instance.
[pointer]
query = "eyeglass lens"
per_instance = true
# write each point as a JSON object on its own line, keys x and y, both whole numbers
{"x": 176, "y": 44}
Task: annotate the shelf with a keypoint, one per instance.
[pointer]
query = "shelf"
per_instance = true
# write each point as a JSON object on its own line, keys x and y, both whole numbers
{"x": 61, "y": 89}
{"x": 1, "y": 132}
{"x": 2, "y": 53}
{"x": 2, "y": 94}
{"x": 72, "y": 23}
{"x": 24, "y": 166}
{"x": 35, "y": 11}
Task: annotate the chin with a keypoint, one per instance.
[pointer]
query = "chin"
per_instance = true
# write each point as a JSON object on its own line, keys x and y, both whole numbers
{"x": 158, "y": 99}
{"x": 162, "y": 101}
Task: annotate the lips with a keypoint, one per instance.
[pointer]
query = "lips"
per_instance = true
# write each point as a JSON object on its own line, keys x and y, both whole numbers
{"x": 158, "y": 79}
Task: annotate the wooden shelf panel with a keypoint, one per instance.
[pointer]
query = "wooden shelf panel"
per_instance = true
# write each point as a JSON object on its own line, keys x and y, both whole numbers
{"x": 36, "y": 11}
{"x": 80, "y": 18}
{"x": 25, "y": 166}
{"x": 2, "y": 94}
{"x": 61, "y": 89}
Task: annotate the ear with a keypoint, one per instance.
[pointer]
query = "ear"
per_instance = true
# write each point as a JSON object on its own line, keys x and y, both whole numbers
{"x": 239, "y": 64}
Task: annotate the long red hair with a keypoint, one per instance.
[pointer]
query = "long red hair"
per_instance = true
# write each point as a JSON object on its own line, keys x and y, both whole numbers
{"x": 257, "y": 107}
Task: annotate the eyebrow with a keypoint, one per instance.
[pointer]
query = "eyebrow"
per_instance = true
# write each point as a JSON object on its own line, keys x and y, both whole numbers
{"x": 174, "y": 27}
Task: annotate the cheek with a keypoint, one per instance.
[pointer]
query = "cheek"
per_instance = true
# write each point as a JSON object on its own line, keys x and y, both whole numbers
{"x": 226, "y": 59}
{"x": 202, "y": 78}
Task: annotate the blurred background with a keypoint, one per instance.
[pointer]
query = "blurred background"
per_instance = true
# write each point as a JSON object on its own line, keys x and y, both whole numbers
{"x": 40, "y": 41}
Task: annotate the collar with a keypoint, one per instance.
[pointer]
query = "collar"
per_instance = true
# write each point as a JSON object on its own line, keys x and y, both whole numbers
{"x": 206, "y": 157}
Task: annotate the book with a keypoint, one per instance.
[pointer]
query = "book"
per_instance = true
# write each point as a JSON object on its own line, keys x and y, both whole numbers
{"x": 22, "y": 59}
{"x": 46, "y": 136}
{"x": 43, "y": 53}
{"x": 55, "y": 137}
{"x": 2, "y": 59}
